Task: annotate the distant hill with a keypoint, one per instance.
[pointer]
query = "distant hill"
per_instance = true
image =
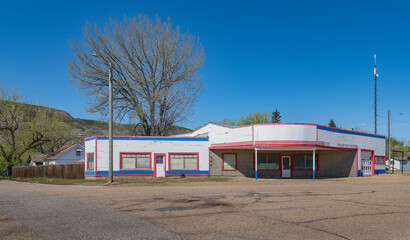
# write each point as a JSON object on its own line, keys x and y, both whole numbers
{"x": 83, "y": 128}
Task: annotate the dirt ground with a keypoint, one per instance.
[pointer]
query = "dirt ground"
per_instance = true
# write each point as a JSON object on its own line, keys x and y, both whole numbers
{"x": 375, "y": 207}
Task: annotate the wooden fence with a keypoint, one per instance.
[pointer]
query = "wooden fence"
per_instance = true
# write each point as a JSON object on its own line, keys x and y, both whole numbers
{"x": 68, "y": 171}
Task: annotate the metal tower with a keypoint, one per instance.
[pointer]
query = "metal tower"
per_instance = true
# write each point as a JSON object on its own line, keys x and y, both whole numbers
{"x": 375, "y": 95}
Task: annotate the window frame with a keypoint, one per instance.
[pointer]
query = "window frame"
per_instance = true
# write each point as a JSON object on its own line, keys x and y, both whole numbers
{"x": 305, "y": 170}
{"x": 136, "y": 153}
{"x": 269, "y": 153}
{"x": 183, "y": 153}
{"x": 380, "y": 160}
{"x": 88, "y": 169}
{"x": 236, "y": 162}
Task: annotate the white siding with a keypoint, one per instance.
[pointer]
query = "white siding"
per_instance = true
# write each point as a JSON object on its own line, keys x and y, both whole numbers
{"x": 285, "y": 132}
{"x": 89, "y": 145}
{"x": 153, "y": 147}
{"x": 351, "y": 140}
{"x": 308, "y": 133}
{"x": 49, "y": 162}
{"x": 221, "y": 134}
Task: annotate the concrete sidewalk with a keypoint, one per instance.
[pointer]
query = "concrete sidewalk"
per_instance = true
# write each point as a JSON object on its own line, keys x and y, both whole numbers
{"x": 56, "y": 217}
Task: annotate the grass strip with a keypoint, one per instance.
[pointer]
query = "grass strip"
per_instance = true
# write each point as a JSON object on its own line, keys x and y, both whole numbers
{"x": 136, "y": 180}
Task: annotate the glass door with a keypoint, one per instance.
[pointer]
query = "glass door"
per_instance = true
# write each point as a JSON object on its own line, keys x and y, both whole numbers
{"x": 286, "y": 167}
{"x": 159, "y": 165}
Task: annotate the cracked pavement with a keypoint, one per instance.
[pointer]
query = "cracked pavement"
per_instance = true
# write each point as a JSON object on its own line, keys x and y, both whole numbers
{"x": 349, "y": 208}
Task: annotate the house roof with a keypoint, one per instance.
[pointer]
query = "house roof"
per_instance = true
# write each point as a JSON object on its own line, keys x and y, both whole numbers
{"x": 60, "y": 151}
{"x": 37, "y": 158}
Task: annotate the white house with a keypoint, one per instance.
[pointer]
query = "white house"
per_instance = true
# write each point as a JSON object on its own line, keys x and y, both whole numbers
{"x": 73, "y": 153}
{"x": 398, "y": 163}
{"x": 280, "y": 150}
{"x": 36, "y": 159}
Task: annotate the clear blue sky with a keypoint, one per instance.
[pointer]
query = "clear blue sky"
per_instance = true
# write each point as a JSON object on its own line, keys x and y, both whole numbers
{"x": 312, "y": 60}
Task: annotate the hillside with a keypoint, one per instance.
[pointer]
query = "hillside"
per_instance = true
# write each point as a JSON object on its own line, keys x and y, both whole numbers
{"x": 85, "y": 127}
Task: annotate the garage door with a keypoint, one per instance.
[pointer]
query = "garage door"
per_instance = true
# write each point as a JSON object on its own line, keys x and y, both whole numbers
{"x": 366, "y": 163}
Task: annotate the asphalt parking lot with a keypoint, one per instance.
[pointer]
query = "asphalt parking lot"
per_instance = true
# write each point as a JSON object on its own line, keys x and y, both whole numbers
{"x": 349, "y": 208}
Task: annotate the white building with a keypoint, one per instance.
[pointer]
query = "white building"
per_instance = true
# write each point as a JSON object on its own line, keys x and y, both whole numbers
{"x": 399, "y": 162}
{"x": 36, "y": 159}
{"x": 148, "y": 156}
{"x": 281, "y": 150}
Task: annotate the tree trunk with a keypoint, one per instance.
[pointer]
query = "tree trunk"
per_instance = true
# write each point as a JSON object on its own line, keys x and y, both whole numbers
{"x": 9, "y": 170}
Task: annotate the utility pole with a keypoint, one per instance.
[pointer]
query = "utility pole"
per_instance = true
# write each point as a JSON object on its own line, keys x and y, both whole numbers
{"x": 388, "y": 118}
{"x": 375, "y": 95}
{"x": 402, "y": 160}
{"x": 110, "y": 122}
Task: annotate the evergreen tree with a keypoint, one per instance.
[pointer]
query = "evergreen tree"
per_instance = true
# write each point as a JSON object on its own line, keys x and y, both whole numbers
{"x": 275, "y": 118}
{"x": 332, "y": 123}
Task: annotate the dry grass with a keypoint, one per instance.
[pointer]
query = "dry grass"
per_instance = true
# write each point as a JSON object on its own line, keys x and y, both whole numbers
{"x": 119, "y": 181}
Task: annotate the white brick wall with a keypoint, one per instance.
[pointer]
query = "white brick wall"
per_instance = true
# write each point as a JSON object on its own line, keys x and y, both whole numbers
{"x": 158, "y": 145}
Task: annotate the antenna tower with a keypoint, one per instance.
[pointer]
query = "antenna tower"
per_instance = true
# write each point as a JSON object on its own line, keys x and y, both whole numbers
{"x": 375, "y": 95}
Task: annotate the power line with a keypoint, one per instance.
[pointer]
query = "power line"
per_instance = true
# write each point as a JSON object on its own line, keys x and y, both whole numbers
{"x": 49, "y": 88}
{"x": 399, "y": 121}
{"x": 357, "y": 121}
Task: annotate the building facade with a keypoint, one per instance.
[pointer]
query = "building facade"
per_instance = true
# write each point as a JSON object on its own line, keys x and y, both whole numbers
{"x": 260, "y": 150}
{"x": 148, "y": 156}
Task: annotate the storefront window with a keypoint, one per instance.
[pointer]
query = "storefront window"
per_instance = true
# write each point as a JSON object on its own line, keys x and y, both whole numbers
{"x": 268, "y": 161}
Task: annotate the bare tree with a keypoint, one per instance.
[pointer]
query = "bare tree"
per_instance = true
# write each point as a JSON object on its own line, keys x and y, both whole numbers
{"x": 154, "y": 66}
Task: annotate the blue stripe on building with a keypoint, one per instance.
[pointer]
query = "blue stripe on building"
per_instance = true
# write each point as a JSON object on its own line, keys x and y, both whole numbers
{"x": 142, "y": 172}
{"x": 151, "y": 139}
{"x": 186, "y": 172}
{"x": 379, "y": 171}
{"x": 348, "y": 132}
{"x": 149, "y": 172}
